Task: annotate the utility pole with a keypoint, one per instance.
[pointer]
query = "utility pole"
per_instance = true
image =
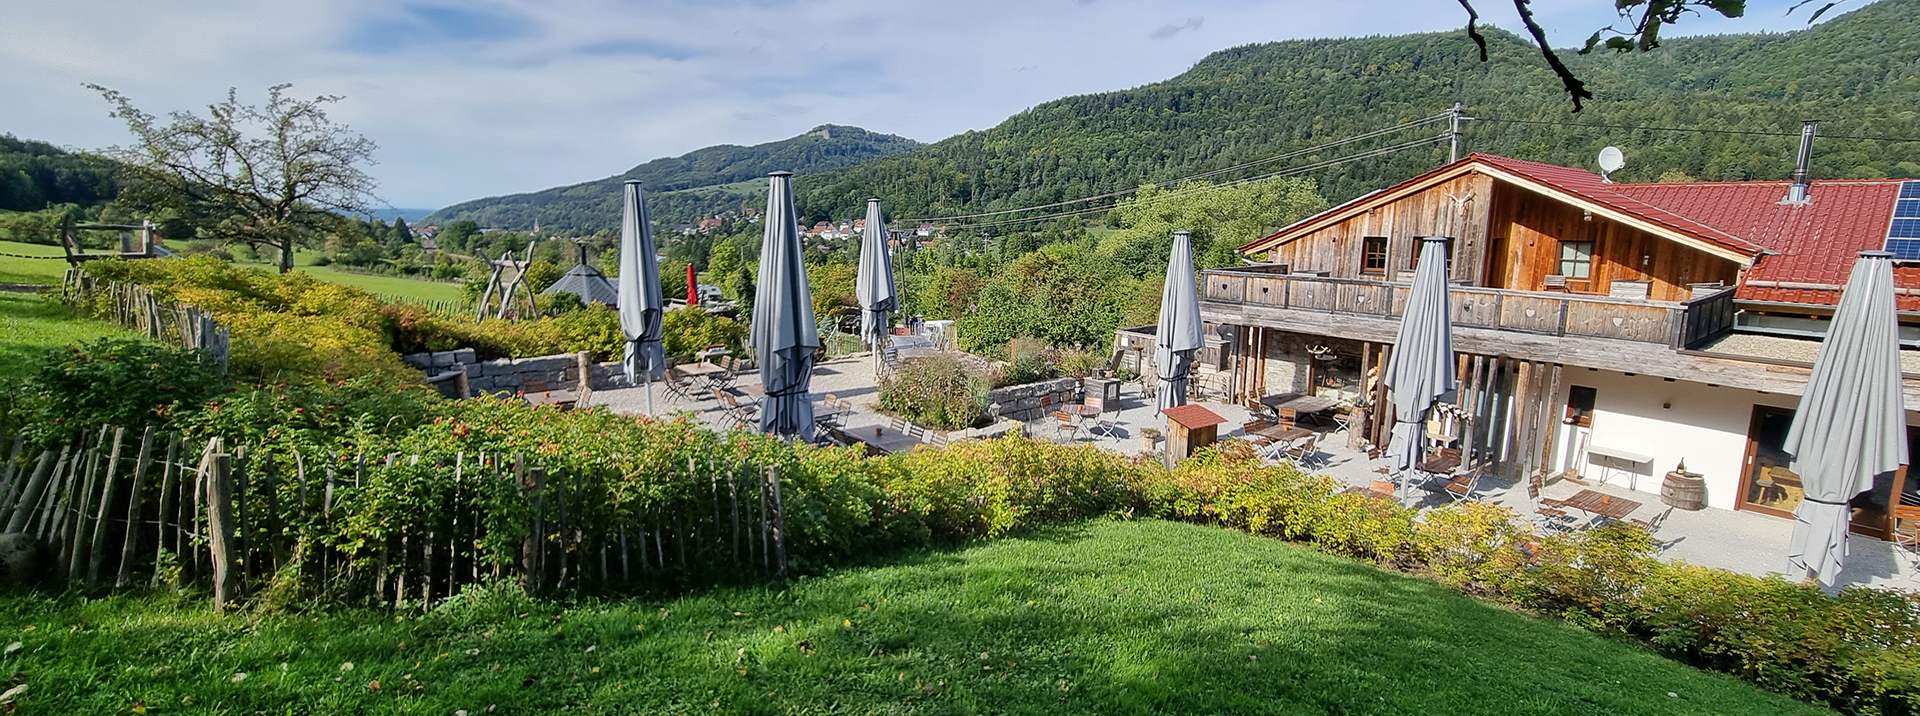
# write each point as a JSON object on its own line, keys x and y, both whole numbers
{"x": 1453, "y": 134}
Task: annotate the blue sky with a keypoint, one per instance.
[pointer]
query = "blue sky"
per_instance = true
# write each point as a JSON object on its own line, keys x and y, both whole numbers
{"x": 475, "y": 98}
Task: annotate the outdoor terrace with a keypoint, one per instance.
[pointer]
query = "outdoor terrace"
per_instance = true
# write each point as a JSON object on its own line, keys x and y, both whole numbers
{"x": 1659, "y": 338}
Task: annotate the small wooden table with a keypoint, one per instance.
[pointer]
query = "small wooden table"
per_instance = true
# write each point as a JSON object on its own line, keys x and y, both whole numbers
{"x": 1598, "y": 503}
{"x": 702, "y": 370}
{"x": 1283, "y": 434}
{"x": 824, "y": 411}
{"x": 565, "y": 399}
{"x": 885, "y": 439}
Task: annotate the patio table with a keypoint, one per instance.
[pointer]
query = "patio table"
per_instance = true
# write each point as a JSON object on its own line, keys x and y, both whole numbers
{"x": 1302, "y": 405}
{"x": 702, "y": 370}
{"x": 1283, "y": 434}
{"x": 885, "y": 439}
{"x": 563, "y": 398}
{"x": 1599, "y": 503}
{"x": 825, "y": 411}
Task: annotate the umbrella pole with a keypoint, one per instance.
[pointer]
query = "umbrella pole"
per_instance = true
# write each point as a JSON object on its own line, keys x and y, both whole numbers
{"x": 649, "y": 392}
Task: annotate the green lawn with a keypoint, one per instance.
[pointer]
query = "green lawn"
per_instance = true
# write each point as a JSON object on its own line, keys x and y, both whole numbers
{"x": 40, "y": 271}
{"x": 30, "y": 323}
{"x": 387, "y": 286}
{"x": 1104, "y": 618}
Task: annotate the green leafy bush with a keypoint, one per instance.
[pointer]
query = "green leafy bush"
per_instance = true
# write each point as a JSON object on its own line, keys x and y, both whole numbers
{"x": 283, "y": 326}
{"x": 692, "y": 328}
{"x": 120, "y": 382}
{"x": 939, "y": 392}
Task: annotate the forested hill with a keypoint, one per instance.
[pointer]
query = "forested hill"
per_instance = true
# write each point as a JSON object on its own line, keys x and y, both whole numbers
{"x": 36, "y": 174}
{"x": 1858, "y": 73}
{"x": 595, "y": 205}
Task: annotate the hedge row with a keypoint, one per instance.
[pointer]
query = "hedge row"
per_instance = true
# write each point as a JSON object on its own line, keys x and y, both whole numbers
{"x": 1855, "y": 651}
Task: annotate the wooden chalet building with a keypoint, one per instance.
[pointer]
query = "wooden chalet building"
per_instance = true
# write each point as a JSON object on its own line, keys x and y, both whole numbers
{"x": 1603, "y": 329}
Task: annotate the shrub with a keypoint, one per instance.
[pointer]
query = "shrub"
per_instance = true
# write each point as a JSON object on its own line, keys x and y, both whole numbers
{"x": 283, "y": 326}
{"x": 692, "y": 328}
{"x": 939, "y": 392}
{"x": 121, "y": 382}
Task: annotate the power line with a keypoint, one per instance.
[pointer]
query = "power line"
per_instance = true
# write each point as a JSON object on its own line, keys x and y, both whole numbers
{"x": 1201, "y": 190}
{"x": 1701, "y": 130}
{"x": 1203, "y": 175}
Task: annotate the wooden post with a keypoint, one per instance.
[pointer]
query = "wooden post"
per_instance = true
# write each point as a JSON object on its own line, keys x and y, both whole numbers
{"x": 560, "y": 501}
{"x": 132, "y": 542}
{"x": 733, "y": 497}
{"x": 535, "y": 552}
{"x": 220, "y": 528}
{"x": 53, "y": 517}
{"x": 82, "y": 532}
{"x": 240, "y": 473}
{"x": 9, "y": 472}
{"x": 779, "y": 519}
{"x": 765, "y": 558}
{"x": 36, "y": 486}
{"x": 167, "y": 505}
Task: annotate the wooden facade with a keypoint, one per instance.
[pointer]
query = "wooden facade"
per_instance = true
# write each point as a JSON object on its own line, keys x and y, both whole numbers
{"x": 1505, "y": 237}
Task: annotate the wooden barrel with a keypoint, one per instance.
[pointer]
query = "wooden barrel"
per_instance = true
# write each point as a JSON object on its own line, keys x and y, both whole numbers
{"x": 1684, "y": 490}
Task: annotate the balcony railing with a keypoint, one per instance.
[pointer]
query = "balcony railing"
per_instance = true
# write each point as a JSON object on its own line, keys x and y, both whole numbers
{"x": 1675, "y": 324}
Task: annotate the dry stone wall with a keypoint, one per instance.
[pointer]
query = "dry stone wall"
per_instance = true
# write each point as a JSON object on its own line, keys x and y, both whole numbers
{"x": 508, "y": 376}
{"x": 1032, "y": 401}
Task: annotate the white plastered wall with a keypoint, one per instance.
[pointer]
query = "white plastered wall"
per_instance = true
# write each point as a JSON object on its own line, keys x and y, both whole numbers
{"x": 1670, "y": 421}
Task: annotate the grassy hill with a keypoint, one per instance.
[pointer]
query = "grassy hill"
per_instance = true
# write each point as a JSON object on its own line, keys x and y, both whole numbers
{"x": 1859, "y": 73}
{"x": 1101, "y": 618}
{"x": 595, "y": 205}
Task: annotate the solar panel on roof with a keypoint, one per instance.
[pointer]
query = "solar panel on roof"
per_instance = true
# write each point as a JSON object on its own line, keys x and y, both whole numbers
{"x": 1903, "y": 234}
{"x": 1904, "y": 249}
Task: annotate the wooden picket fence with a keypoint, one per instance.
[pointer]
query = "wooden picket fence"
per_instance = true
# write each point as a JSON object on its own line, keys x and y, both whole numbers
{"x": 117, "y": 509}
{"x": 136, "y": 308}
{"x": 438, "y": 307}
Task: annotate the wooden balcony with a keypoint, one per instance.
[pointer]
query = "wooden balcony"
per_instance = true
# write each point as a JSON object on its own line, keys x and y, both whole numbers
{"x": 1667, "y": 324}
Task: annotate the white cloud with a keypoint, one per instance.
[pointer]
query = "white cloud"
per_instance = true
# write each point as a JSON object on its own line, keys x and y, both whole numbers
{"x": 474, "y": 98}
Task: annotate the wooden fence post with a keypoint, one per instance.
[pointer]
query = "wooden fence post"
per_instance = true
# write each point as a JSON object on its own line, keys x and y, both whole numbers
{"x": 220, "y": 527}
{"x": 167, "y": 506}
{"x": 36, "y": 485}
{"x": 779, "y": 519}
{"x": 97, "y": 541}
{"x": 533, "y": 554}
{"x": 127, "y": 547}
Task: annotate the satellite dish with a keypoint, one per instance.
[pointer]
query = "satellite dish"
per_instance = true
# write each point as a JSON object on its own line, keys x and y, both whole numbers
{"x": 1611, "y": 159}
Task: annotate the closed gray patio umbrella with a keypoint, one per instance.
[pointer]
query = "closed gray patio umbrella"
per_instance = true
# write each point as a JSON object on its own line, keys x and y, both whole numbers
{"x": 641, "y": 308}
{"x": 1179, "y": 332}
{"x": 1421, "y": 369}
{"x": 874, "y": 284}
{"x": 784, "y": 334}
{"x": 1851, "y": 425}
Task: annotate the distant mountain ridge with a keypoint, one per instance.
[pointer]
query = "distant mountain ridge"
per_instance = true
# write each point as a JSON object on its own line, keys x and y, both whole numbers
{"x": 595, "y": 205}
{"x": 1859, "y": 73}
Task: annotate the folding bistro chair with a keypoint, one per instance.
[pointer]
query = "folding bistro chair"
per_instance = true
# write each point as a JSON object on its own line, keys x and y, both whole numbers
{"x": 1463, "y": 487}
{"x": 1304, "y": 454}
{"x": 1547, "y": 513}
{"x": 1065, "y": 427}
{"x": 1653, "y": 525}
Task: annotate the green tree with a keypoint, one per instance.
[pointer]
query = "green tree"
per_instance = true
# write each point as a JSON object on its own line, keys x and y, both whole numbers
{"x": 1221, "y": 219}
{"x": 269, "y": 175}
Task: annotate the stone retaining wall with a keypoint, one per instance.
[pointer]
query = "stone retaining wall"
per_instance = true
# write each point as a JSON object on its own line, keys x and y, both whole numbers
{"x": 507, "y": 376}
{"x": 1033, "y": 401}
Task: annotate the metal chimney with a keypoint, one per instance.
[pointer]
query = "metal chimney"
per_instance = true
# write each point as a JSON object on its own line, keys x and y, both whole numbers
{"x": 1797, "y": 193}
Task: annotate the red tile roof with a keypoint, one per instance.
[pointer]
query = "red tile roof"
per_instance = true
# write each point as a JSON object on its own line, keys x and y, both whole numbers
{"x": 1806, "y": 247}
{"x": 1811, "y": 244}
{"x": 1590, "y": 186}
{"x": 1193, "y": 416}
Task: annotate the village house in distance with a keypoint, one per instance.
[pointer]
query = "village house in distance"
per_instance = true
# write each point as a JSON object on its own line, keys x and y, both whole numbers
{"x": 1605, "y": 330}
